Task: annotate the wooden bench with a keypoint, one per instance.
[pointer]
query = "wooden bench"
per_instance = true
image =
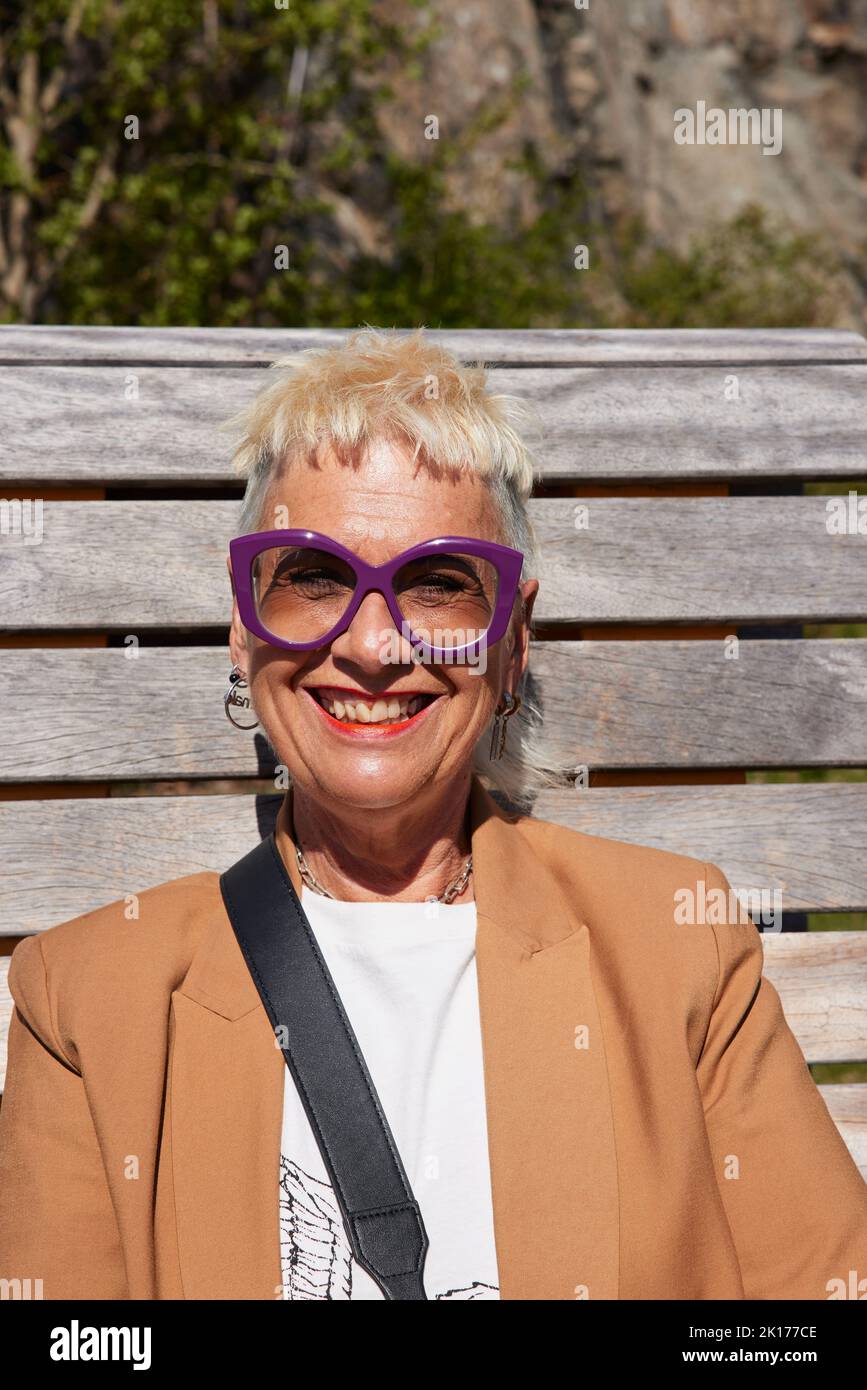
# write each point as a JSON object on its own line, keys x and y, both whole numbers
{"x": 115, "y": 624}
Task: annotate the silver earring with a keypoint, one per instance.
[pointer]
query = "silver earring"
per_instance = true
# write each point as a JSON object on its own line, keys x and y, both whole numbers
{"x": 233, "y": 696}
{"x": 504, "y": 712}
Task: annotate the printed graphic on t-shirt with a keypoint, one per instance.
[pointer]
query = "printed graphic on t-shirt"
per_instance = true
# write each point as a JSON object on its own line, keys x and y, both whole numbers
{"x": 316, "y": 1258}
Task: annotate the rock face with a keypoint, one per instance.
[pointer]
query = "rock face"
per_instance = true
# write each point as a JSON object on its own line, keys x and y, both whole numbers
{"x": 595, "y": 91}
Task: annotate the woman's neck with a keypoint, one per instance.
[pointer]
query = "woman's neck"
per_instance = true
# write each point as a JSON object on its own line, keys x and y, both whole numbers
{"x": 401, "y": 853}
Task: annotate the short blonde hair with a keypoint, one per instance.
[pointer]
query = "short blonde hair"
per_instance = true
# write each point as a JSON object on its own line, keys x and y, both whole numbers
{"x": 402, "y": 386}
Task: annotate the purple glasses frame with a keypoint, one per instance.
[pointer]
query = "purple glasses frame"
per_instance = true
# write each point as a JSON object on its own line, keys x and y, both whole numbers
{"x": 377, "y": 579}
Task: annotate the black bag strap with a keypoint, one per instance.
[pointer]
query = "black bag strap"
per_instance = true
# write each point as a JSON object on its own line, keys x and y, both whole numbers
{"x": 382, "y": 1218}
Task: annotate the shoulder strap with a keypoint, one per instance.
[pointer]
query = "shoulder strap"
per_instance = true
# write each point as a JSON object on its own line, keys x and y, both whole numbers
{"x": 382, "y": 1218}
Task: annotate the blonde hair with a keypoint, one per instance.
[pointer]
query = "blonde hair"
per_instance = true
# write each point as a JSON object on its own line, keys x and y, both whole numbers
{"x": 400, "y": 386}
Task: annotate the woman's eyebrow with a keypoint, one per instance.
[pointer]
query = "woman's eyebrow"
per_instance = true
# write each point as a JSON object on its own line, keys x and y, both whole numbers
{"x": 443, "y": 559}
{"x": 283, "y": 550}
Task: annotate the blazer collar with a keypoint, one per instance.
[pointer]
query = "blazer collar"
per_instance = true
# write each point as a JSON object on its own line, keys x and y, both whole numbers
{"x": 550, "y": 1127}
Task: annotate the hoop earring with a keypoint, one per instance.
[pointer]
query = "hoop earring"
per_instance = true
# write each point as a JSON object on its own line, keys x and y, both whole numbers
{"x": 237, "y": 682}
{"x": 503, "y": 713}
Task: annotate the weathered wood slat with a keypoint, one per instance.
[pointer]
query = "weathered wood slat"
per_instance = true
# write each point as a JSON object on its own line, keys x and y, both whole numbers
{"x": 156, "y": 712}
{"x": 47, "y": 342}
{"x": 685, "y": 704}
{"x": 847, "y": 1105}
{"x": 821, "y": 978}
{"x": 809, "y": 840}
{"x": 77, "y": 424}
{"x": 134, "y": 566}
{"x": 66, "y": 856}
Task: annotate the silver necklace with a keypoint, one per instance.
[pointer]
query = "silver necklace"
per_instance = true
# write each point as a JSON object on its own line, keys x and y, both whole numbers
{"x": 453, "y": 890}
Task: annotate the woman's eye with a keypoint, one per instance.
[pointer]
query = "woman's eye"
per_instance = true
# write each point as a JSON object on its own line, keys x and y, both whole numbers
{"x": 441, "y": 585}
{"x": 313, "y": 581}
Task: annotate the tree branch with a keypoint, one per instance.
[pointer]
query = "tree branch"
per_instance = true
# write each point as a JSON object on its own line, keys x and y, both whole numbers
{"x": 54, "y": 86}
{"x": 87, "y": 214}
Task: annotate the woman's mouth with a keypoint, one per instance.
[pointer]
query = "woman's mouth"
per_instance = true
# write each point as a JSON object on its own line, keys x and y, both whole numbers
{"x": 370, "y": 714}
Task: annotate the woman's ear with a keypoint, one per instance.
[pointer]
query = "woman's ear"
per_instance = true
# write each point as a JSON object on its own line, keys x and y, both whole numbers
{"x": 238, "y": 644}
{"x": 528, "y": 591}
{"x": 520, "y": 654}
{"x": 237, "y": 631}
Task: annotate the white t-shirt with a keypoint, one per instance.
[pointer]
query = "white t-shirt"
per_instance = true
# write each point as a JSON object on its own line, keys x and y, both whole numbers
{"x": 406, "y": 973}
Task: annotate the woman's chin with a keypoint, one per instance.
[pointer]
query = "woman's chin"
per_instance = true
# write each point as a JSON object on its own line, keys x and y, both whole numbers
{"x": 368, "y": 785}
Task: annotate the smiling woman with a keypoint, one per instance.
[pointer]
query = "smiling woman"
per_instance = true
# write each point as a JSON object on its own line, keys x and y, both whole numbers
{"x": 516, "y": 1066}
{"x": 423, "y": 580}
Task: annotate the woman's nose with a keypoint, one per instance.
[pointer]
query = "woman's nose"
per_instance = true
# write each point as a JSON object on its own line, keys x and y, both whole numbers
{"x": 371, "y": 639}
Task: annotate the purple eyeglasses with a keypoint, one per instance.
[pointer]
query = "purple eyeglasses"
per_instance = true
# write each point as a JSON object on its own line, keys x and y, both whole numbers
{"x": 450, "y": 597}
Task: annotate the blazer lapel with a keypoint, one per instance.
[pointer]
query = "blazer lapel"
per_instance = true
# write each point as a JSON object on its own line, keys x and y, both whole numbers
{"x": 550, "y": 1129}
{"x": 225, "y": 1119}
{"x": 550, "y": 1125}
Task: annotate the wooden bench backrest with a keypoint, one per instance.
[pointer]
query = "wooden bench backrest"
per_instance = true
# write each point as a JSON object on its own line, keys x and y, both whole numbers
{"x": 687, "y": 450}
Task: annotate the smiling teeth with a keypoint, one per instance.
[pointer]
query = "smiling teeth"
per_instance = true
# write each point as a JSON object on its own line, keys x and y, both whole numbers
{"x": 371, "y": 711}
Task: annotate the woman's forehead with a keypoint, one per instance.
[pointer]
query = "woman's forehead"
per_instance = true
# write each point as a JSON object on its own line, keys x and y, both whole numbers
{"x": 384, "y": 496}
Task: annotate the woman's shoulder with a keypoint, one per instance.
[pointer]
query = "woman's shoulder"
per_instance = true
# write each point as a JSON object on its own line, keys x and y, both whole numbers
{"x": 140, "y": 945}
{"x": 579, "y": 851}
{"x": 174, "y": 910}
{"x": 637, "y": 891}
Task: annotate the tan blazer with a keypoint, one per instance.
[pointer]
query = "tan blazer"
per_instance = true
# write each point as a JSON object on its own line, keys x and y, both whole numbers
{"x": 654, "y": 1131}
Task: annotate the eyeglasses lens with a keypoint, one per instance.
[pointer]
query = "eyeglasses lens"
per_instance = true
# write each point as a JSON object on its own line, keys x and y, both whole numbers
{"x": 447, "y": 600}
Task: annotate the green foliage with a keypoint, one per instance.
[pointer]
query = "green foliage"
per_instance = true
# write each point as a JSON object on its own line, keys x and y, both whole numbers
{"x": 745, "y": 274}
{"x": 446, "y": 271}
{"x": 838, "y": 1073}
{"x": 232, "y": 161}
{"x": 219, "y": 173}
